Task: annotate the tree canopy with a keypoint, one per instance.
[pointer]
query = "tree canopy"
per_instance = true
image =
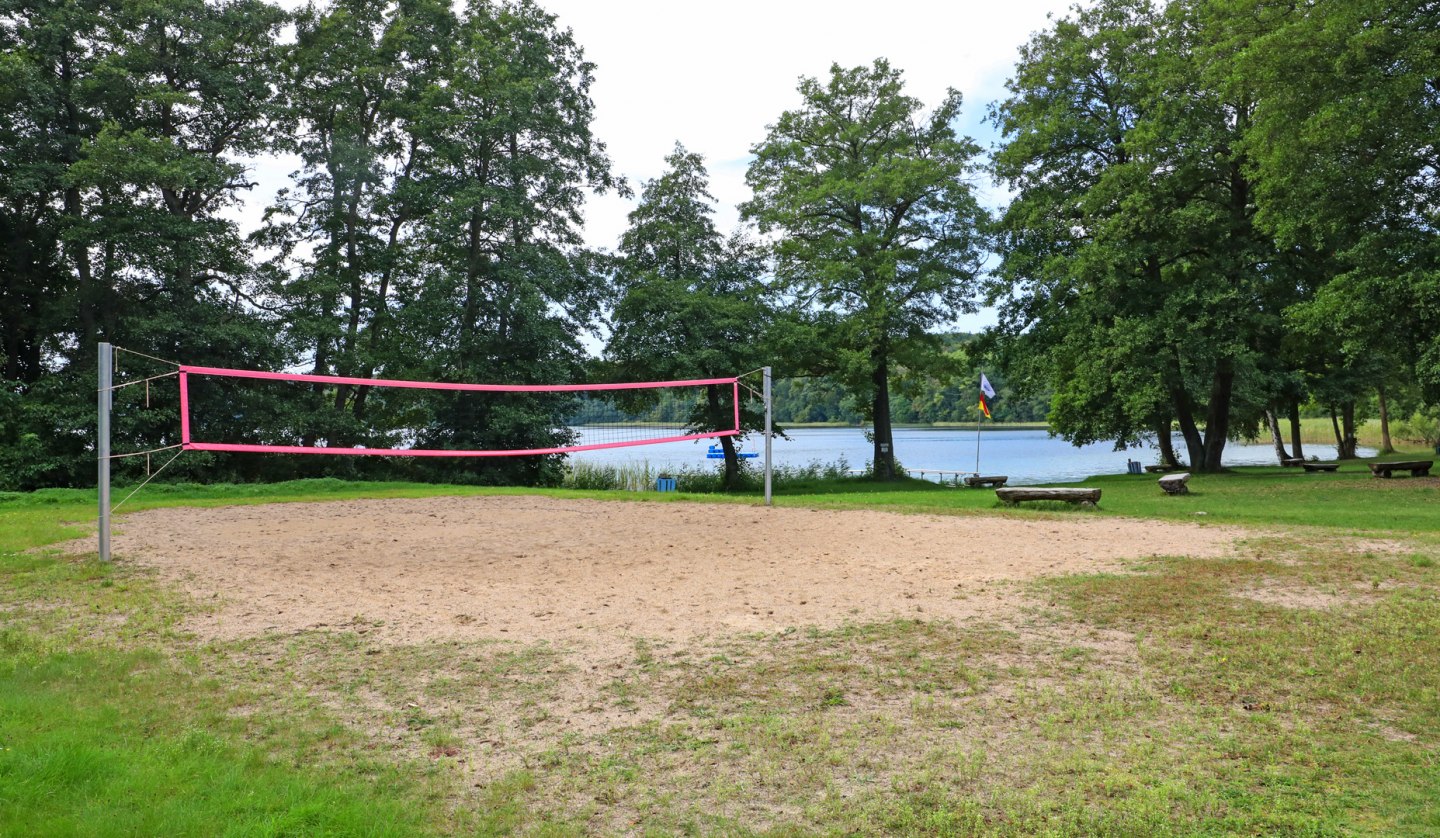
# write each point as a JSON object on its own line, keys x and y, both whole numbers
{"x": 1188, "y": 206}
{"x": 1219, "y": 213}
{"x": 692, "y": 303}
{"x": 877, "y": 223}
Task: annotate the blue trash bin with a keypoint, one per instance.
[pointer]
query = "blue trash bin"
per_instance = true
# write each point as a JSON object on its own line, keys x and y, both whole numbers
{"x": 664, "y": 483}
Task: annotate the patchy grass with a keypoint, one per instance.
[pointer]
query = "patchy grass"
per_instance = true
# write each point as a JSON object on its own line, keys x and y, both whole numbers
{"x": 111, "y": 742}
{"x": 1291, "y": 690}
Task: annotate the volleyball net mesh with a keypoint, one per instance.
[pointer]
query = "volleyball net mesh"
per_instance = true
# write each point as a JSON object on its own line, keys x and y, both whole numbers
{"x": 443, "y": 419}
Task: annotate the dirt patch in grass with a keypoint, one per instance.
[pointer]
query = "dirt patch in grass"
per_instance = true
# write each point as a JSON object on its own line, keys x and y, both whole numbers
{"x": 1428, "y": 483}
{"x": 1294, "y": 596}
{"x": 599, "y": 574}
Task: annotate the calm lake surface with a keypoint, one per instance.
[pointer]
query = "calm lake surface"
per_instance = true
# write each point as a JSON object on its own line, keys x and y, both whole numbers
{"x": 1027, "y": 457}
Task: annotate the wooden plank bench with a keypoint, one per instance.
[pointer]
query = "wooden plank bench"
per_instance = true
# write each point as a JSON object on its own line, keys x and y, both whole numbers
{"x": 1313, "y": 467}
{"x": 1291, "y": 462}
{"x": 996, "y": 480}
{"x": 1417, "y": 468}
{"x": 1162, "y": 469}
{"x": 1084, "y": 497}
{"x": 1175, "y": 484}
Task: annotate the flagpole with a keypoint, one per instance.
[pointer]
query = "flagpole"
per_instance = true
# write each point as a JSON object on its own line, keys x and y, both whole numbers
{"x": 979, "y": 415}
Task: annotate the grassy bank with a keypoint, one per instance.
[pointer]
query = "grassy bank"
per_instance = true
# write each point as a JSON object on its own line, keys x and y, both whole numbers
{"x": 1319, "y": 431}
{"x": 1289, "y": 690}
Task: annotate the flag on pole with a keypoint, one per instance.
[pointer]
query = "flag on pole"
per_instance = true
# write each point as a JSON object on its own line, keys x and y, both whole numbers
{"x": 986, "y": 392}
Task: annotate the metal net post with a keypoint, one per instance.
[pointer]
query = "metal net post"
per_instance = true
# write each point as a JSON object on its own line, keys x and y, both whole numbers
{"x": 769, "y": 414}
{"x": 102, "y": 445}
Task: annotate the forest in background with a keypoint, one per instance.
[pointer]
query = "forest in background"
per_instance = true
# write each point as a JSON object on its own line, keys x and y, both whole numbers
{"x": 1223, "y": 216}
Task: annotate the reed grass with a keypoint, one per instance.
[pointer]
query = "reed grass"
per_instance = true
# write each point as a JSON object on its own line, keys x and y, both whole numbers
{"x": 641, "y": 477}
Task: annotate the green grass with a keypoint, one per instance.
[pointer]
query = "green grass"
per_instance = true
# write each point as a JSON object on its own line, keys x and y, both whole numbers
{"x": 100, "y": 744}
{"x": 1264, "y": 496}
{"x": 1291, "y": 690}
{"x": 1261, "y": 495}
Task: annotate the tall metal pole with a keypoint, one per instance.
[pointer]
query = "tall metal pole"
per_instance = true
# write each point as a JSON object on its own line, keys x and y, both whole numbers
{"x": 769, "y": 415}
{"x": 102, "y": 446}
{"x": 980, "y": 416}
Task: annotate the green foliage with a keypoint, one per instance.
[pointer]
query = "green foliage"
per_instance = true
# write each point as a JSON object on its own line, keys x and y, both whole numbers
{"x": 1345, "y": 161}
{"x": 1423, "y": 426}
{"x": 917, "y": 399}
{"x": 1214, "y": 220}
{"x": 131, "y": 118}
{"x": 1134, "y": 282}
{"x": 431, "y": 231}
{"x": 691, "y": 303}
{"x": 878, "y": 227}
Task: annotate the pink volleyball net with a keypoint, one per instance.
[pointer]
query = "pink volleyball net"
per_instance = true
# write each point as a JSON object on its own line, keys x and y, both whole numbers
{"x": 599, "y": 415}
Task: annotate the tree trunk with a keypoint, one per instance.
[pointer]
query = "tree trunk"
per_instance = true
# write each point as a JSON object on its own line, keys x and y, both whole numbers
{"x": 1348, "y": 443}
{"x": 731, "y": 480}
{"x": 1185, "y": 413}
{"x": 1217, "y": 416}
{"x": 1386, "y": 447}
{"x": 1274, "y": 422}
{"x": 884, "y": 453}
{"x": 1166, "y": 442}
{"x": 1295, "y": 429}
{"x": 1344, "y": 439}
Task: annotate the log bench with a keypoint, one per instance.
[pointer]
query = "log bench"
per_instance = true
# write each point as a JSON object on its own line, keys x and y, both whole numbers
{"x": 1291, "y": 462}
{"x": 1175, "y": 484}
{"x": 1161, "y": 469}
{"x": 1313, "y": 467}
{"x": 991, "y": 480}
{"x": 1084, "y": 497}
{"x": 1417, "y": 468}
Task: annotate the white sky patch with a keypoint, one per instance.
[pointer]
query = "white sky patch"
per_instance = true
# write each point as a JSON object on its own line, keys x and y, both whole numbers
{"x": 713, "y": 75}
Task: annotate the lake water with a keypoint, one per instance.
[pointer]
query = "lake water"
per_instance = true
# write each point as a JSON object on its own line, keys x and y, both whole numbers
{"x": 1027, "y": 457}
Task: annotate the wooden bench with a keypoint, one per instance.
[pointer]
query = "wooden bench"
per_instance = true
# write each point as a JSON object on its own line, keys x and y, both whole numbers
{"x": 992, "y": 480}
{"x": 1174, "y": 484}
{"x": 1084, "y": 497}
{"x": 1162, "y": 469}
{"x": 1417, "y": 468}
{"x": 1291, "y": 462}
{"x": 1321, "y": 466}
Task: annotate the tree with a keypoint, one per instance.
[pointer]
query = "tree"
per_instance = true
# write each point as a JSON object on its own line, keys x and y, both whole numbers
{"x": 876, "y": 223}
{"x": 133, "y": 119}
{"x": 692, "y": 304}
{"x": 355, "y": 80}
{"x": 501, "y": 290}
{"x": 1344, "y": 155}
{"x": 1134, "y": 281}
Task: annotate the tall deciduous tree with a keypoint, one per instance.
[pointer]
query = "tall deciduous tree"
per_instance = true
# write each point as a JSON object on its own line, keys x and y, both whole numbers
{"x": 1345, "y": 154}
{"x": 1138, "y": 286}
{"x": 133, "y": 122}
{"x": 692, "y": 303}
{"x": 875, "y": 221}
{"x": 355, "y": 80}
{"x": 502, "y": 290}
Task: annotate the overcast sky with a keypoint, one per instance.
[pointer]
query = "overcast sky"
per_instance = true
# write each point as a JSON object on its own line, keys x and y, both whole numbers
{"x": 712, "y": 75}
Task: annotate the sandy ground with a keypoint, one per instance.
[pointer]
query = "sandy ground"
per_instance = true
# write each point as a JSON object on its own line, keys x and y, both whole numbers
{"x": 529, "y": 568}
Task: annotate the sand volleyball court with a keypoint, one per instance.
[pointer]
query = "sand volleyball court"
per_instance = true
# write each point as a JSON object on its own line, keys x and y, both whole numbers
{"x": 596, "y": 572}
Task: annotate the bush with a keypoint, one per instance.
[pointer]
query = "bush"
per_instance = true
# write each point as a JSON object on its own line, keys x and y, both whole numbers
{"x": 696, "y": 479}
{"x": 1423, "y": 426}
